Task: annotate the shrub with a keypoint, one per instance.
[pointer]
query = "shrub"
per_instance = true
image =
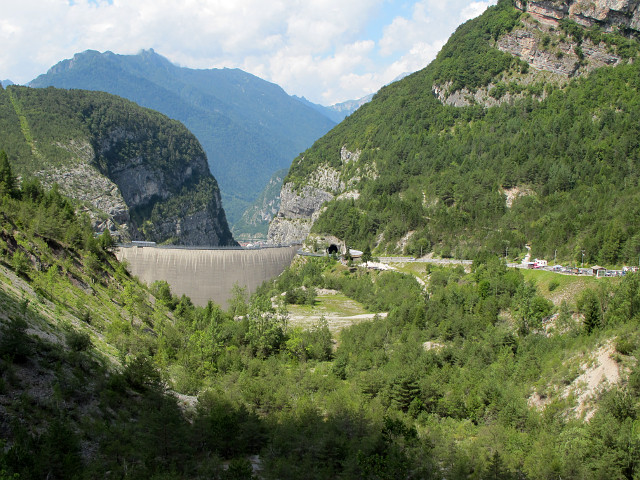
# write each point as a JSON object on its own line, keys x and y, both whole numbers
{"x": 300, "y": 296}
{"x": 20, "y": 263}
{"x": 78, "y": 341}
{"x": 625, "y": 346}
{"x": 140, "y": 373}
{"x": 15, "y": 342}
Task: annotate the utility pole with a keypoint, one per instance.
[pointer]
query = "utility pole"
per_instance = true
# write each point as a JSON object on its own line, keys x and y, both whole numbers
{"x": 583, "y": 258}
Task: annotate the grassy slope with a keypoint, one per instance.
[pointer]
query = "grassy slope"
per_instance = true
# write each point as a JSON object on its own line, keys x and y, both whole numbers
{"x": 569, "y": 287}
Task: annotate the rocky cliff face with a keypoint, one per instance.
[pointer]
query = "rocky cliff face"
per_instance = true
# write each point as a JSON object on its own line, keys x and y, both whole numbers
{"x": 111, "y": 196}
{"x": 298, "y": 211}
{"x": 538, "y": 45}
{"x": 203, "y": 227}
{"x": 559, "y": 57}
{"x": 299, "y": 208}
{"x": 180, "y": 204}
{"x": 610, "y": 15}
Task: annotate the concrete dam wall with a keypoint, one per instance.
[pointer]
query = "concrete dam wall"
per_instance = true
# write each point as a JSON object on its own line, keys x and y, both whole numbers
{"x": 205, "y": 275}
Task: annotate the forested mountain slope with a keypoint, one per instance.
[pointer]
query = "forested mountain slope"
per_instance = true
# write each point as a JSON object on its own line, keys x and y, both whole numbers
{"x": 473, "y": 377}
{"x": 523, "y": 130}
{"x": 140, "y": 174}
{"x": 244, "y": 123}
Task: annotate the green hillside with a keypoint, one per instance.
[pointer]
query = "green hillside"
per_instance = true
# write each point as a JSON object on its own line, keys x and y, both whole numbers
{"x": 123, "y": 161}
{"x": 101, "y": 376}
{"x": 570, "y": 148}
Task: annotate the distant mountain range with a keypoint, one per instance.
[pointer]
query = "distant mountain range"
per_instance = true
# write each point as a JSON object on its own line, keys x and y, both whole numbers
{"x": 338, "y": 111}
{"x": 248, "y": 127}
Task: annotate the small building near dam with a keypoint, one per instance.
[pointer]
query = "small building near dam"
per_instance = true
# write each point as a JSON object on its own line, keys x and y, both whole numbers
{"x": 206, "y": 274}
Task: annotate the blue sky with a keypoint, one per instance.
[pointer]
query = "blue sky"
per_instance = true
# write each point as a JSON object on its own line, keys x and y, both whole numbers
{"x": 325, "y": 50}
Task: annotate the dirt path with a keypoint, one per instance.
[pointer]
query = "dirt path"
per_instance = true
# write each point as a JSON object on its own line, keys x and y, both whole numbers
{"x": 338, "y": 310}
{"x": 335, "y": 322}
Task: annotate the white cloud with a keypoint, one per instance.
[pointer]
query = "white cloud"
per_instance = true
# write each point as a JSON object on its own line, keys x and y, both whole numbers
{"x": 420, "y": 55}
{"x": 432, "y": 21}
{"x": 316, "y": 48}
{"x": 474, "y": 9}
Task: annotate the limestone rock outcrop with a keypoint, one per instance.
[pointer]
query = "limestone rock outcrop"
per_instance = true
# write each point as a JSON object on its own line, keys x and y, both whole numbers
{"x": 561, "y": 58}
{"x": 300, "y": 206}
{"x": 298, "y": 211}
{"x": 607, "y": 14}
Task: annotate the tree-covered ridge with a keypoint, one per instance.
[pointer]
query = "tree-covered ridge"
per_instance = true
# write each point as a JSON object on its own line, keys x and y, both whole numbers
{"x": 159, "y": 167}
{"x": 442, "y": 171}
{"x": 118, "y": 130}
{"x": 468, "y": 59}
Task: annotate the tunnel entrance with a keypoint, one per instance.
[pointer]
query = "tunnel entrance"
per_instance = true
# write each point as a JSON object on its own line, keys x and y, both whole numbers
{"x": 332, "y": 249}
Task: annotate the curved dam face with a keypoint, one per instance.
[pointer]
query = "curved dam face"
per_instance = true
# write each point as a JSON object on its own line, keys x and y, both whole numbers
{"x": 205, "y": 275}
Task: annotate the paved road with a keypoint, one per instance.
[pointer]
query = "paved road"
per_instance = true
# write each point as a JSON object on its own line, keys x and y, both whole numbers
{"x": 439, "y": 261}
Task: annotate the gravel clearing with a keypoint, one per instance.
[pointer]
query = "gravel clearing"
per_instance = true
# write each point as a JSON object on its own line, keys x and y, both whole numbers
{"x": 601, "y": 374}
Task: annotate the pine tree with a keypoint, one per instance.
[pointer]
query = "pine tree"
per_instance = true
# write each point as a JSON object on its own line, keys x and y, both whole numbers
{"x": 496, "y": 469}
{"x": 366, "y": 254}
{"x": 7, "y": 180}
